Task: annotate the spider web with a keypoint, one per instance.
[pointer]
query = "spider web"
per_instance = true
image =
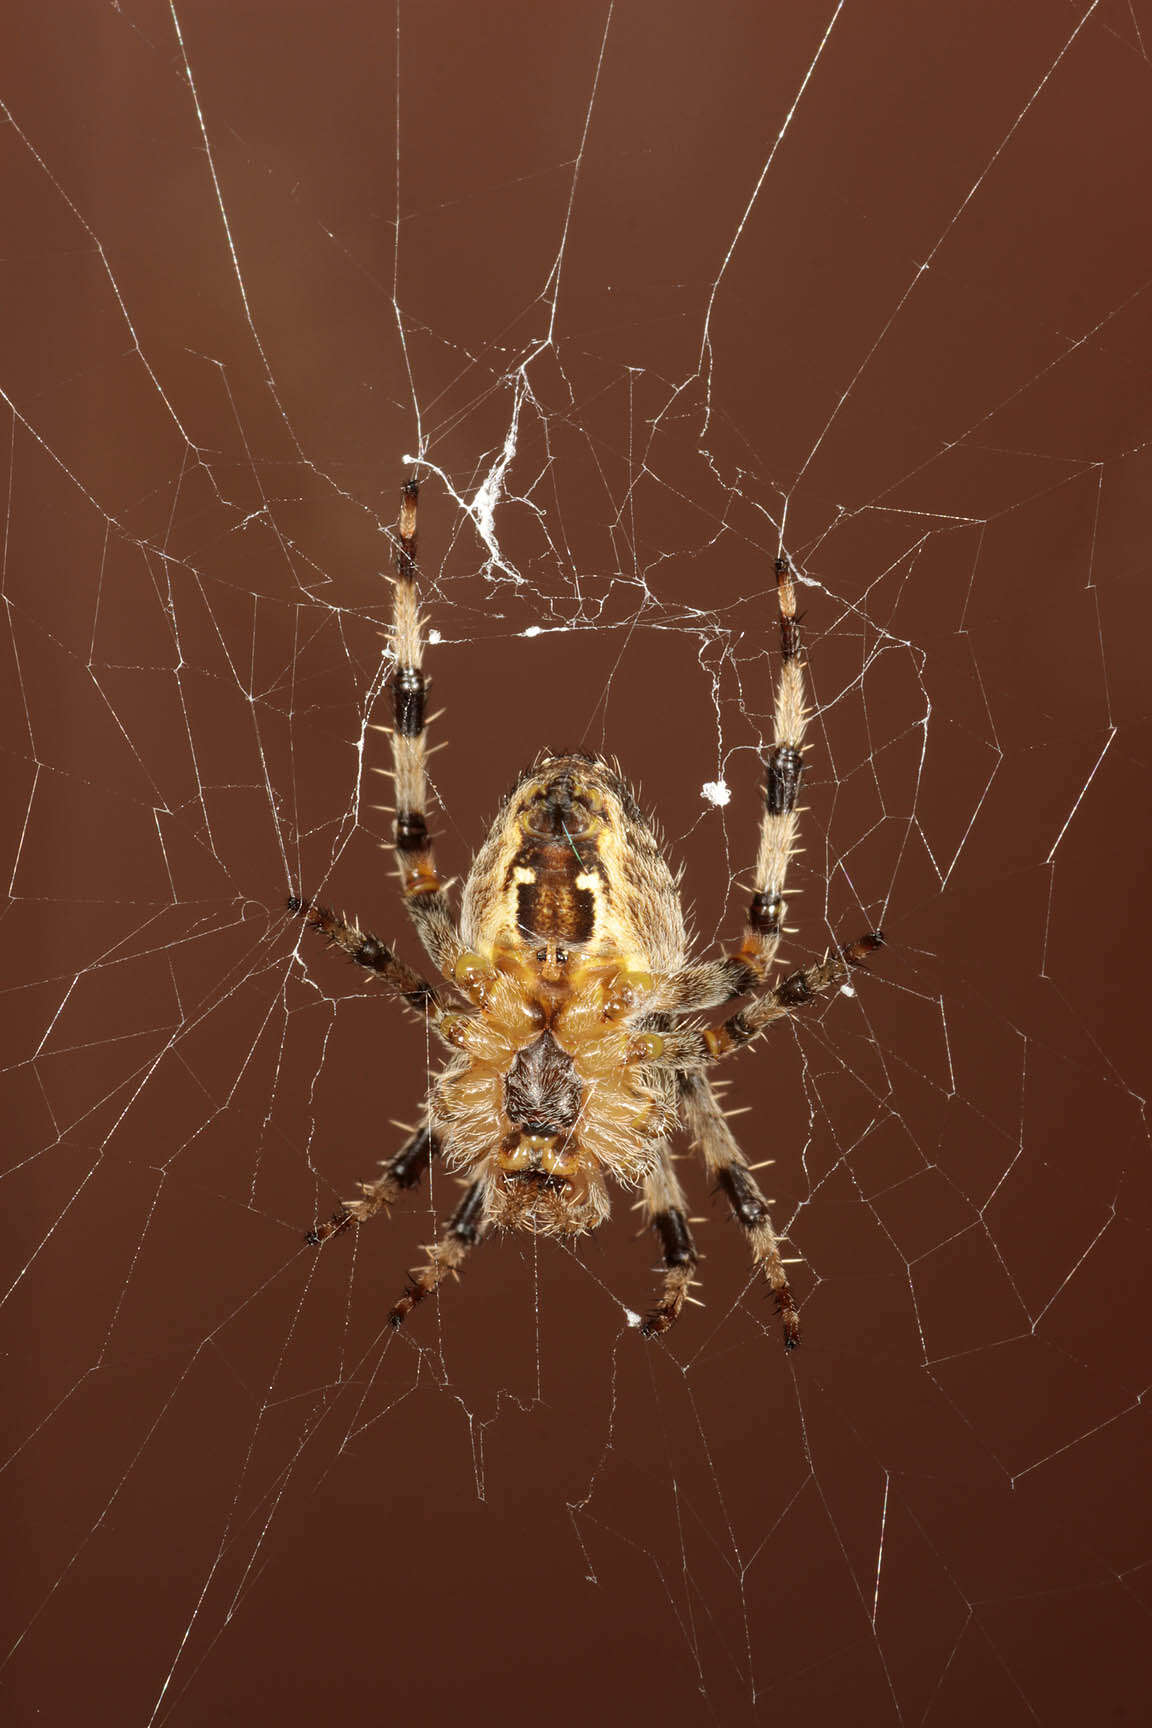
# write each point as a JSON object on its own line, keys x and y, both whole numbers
{"x": 642, "y": 299}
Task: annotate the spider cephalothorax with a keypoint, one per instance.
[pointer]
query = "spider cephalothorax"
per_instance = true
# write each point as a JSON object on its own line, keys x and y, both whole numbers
{"x": 574, "y": 1062}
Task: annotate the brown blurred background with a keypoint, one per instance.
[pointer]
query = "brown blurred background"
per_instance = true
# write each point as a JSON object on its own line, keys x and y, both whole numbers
{"x": 663, "y": 281}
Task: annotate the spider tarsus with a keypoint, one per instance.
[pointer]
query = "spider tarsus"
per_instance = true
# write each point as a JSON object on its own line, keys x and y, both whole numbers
{"x": 401, "y": 1309}
{"x": 656, "y": 1323}
{"x": 313, "y": 915}
{"x": 854, "y": 952}
{"x": 322, "y": 1232}
{"x": 680, "y": 1263}
{"x": 789, "y": 1317}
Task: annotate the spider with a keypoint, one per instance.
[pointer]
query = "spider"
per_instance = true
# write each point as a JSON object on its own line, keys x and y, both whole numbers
{"x": 578, "y": 1054}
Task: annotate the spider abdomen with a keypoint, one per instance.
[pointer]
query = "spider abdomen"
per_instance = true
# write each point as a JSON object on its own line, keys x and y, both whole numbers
{"x": 570, "y": 861}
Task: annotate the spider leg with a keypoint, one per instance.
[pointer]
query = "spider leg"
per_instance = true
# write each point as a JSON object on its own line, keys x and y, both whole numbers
{"x": 368, "y": 951}
{"x": 791, "y": 993}
{"x": 422, "y": 887}
{"x": 706, "y": 984}
{"x": 696, "y": 1048}
{"x": 448, "y": 1253}
{"x": 714, "y": 982}
{"x": 782, "y": 770}
{"x": 667, "y": 1212}
{"x": 402, "y": 1171}
{"x": 724, "y": 1160}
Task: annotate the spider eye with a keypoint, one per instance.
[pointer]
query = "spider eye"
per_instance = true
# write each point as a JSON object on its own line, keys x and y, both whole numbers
{"x": 562, "y": 955}
{"x": 541, "y": 955}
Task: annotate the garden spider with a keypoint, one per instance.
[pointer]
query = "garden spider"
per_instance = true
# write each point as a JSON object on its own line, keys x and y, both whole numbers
{"x": 575, "y": 1061}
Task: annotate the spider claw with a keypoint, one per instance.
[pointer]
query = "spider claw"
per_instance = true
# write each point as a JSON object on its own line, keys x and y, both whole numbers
{"x": 322, "y": 1232}
{"x": 659, "y": 1321}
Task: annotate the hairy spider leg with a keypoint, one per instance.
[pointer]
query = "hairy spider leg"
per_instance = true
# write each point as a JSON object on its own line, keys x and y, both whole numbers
{"x": 715, "y": 982}
{"x": 783, "y": 767}
{"x": 422, "y": 887}
{"x": 400, "y": 1172}
{"x": 724, "y": 1160}
{"x": 792, "y": 992}
{"x": 667, "y": 1212}
{"x": 447, "y": 1254}
{"x": 368, "y": 951}
{"x": 692, "y": 1050}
